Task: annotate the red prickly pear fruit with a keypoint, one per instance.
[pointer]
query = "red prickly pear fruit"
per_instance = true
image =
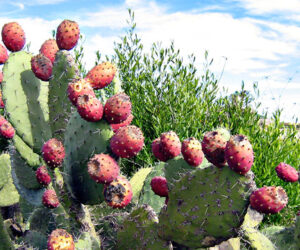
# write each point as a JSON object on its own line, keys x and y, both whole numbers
{"x": 42, "y": 176}
{"x": 287, "y": 172}
{"x": 159, "y": 186}
{"x": 3, "y": 54}
{"x": 1, "y": 77}
{"x": 117, "y": 108}
{"x": 13, "y": 36}
{"x": 53, "y": 153}
{"x": 60, "y": 239}
{"x": 127, "y": 142}
{"x": 50, "y": 199}
{"x": 192, "y": 151}
{"x": 101, "y": 75}
{"x": 1, "y": 100}
{"x": 118, "y": 193}
{"x": 157, "y": 151}
{"x": 78, "y": 88}
{"x": 2, "y": 120}
{"x": 67, "y": 35}
{"x": 41, "y": 66}
{"x": 239, "y": 154}
{"x": 170, "y": 144}
{"x": 128, "y": 121}
{"x": 7, "y": 130}
{"x": 103, "y": 168}
{"x": 269, "y": 200}
{"x": 213, "y": 146}
{"x": 49, "y": 49}
{"x": 89, "y": 108}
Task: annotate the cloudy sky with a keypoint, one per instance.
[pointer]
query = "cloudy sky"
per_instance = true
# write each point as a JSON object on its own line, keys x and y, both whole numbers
{"x": 255, "y": 40}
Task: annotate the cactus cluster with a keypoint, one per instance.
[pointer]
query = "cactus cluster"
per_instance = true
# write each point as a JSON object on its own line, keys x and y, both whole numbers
{"x": 64, "y": 164}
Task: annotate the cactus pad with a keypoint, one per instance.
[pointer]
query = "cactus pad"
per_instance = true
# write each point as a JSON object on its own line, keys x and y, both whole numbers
{"x": 64, "y": 71}
{"x": 26, "y": 100}
{"x": 82, "y": 140}
{"x": 206, "y": 206}
{"x": 138, "y": 231}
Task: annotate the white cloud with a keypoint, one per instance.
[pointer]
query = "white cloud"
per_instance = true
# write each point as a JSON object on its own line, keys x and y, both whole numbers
{"x": 271, "y": 6}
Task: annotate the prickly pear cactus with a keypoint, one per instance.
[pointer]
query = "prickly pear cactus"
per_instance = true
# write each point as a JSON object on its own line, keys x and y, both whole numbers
{"x": 64, "y": 71}
{"x": 206, "y": 206}
{"x": 139, "y": 231}
{"x": 82, "y": 140}
{"x": 8, "y": 193}
{"x": 26, "y": 101}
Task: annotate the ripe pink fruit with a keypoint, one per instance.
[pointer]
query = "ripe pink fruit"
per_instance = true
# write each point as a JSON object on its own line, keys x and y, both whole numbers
{"x": 42, "y": 176}
{"x": 89, "y": 108}
{"x": 127, "y": 142}
{"x": 118, "y": 193}
{"x": 7, "y": 130}
{"x": 287, "y": 172}
{"x": 101, "y": 75}
{"x": 42, "y": 67}
{"x": 50, "y": 199}
{"x": 157, "y": 151}
{"x": 103, "y": 168}
{"x": 239, "y": 154}
{"x": 49, "y": 49}
{"x": 192, "y": 151}
{"x": 213, "y": 147}
{"x": 2, "y": 120}
{"x": 13, "y": 36}
{"x": 159, "y": 186}
{"x": 3, "y": 54}
{"x": 1, "y": 77}
{"x": 60, "y": 239}
{"x": 67, "y": 35}
{"x": 53, "y": 153}
{"x": 170, "y": 144}
{"x": 1, "y": 100}
{"x": 77, "y": 88}
{"x": 117, "y": 108}
{"x": 128, "y": 121}
{"x": 269, "y": 200}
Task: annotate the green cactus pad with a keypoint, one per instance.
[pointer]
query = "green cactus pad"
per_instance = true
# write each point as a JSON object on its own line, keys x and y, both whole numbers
{"x": 35, "y": 239}
{"x": 8, "y": 193}
{"x": 32, "y": 196}
{"x": 147, "y": 196}
{"x": 24, "y": 173}
{"x": 41, "y": 220}
{"x": 139, "y": 231}
{"x": 177, "y": 167}
{"x": 86, "y": 241}
{"x": 137, "y": 182}
{"x": 31, "y": 158}
{"x": 256, "y": 240}
{"x": 26, "y": 100}
{"x": 252, "y": 218}
{"x": 82, "y": 140}
{"x": 4, "y": 170}
{"x": 108, "y": 227}
{"x": 206, "y": 206}
{"x": 64, "y": 71}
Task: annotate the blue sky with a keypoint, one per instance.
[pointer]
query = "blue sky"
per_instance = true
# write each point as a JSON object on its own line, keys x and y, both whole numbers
{"x": 256, "y": 40}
